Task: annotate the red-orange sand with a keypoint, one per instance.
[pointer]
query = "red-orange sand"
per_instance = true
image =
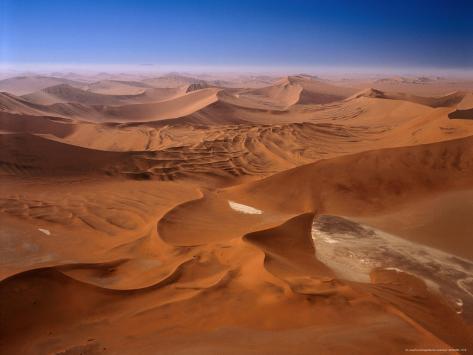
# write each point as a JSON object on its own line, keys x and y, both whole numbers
{"x": 174, "y": 216}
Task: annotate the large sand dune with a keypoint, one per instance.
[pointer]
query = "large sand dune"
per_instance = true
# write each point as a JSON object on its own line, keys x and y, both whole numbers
{"x": 291, "y": 90}
{"x": 22, "y": 85}
{"x": 173, "y": 80}
{"x": 117, "y": 87}
{"x": 449, "y": 100}
{"x": 64, "y": 93}
{"x": 173, "y": 215}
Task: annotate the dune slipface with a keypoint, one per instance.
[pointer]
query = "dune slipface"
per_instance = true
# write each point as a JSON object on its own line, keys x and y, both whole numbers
{"x": 244, "y": 215}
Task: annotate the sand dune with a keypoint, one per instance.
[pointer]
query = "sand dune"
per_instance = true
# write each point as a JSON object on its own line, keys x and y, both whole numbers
{"x": 117, "y": 87}
{"x": 173, "y": 215}
{"x": 242, "y": 81}
{"x": 428, "y": 86}
{"x": 18, "y": 105}
{"x": 449, "y": 100}
{"x": 79, "y": 104}
{"x": 318, "y": 92}
{"x": 293, "y": 90}
{"x": 442, "y": 220}
{"x": 196, "y": 86}
{"x": 64, "y": 93}
{"x": 444, "y": 165}
{"x": 173, "y": 80}
{"x": 466, "y": 114}
{"x": 174, "y": 108}
{"x": 41, "y": 156}
{"x": 15, "y": 104}
{"x": 50, "y": 126}
{"x": 22, "y": 85}
{"x": 282, "y": 93}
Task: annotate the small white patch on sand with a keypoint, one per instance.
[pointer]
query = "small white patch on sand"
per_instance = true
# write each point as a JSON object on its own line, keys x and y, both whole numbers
{"x": 45, "y": 231}
{"x": 394, "y": 269}
{"x": 243, "y": 208}
{"x": 458, "y": 305}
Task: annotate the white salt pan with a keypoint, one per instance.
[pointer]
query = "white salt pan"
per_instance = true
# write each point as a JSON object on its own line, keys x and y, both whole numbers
{"x": 45, "y": 231}
{"x": 243, "y": 208}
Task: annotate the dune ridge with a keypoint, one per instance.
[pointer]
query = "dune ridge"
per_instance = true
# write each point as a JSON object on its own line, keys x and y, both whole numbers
{"x": 449, "y": 100}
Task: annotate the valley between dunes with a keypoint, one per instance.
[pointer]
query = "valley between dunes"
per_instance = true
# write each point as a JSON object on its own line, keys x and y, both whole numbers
{"x": 175, "y": 215}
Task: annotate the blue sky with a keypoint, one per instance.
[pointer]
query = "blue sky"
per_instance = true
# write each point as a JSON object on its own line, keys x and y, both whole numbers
{"x": 380, "y": 33}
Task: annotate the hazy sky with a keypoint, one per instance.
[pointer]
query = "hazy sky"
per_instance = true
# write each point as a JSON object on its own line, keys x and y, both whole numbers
{"x": 239, "y": 33}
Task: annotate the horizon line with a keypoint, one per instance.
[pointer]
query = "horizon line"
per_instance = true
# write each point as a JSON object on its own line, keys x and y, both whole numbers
{"x": 209, "y": 68}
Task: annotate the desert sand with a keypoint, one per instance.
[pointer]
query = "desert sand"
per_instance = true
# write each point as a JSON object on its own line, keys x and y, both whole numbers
{"x": 240, "y": 215}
